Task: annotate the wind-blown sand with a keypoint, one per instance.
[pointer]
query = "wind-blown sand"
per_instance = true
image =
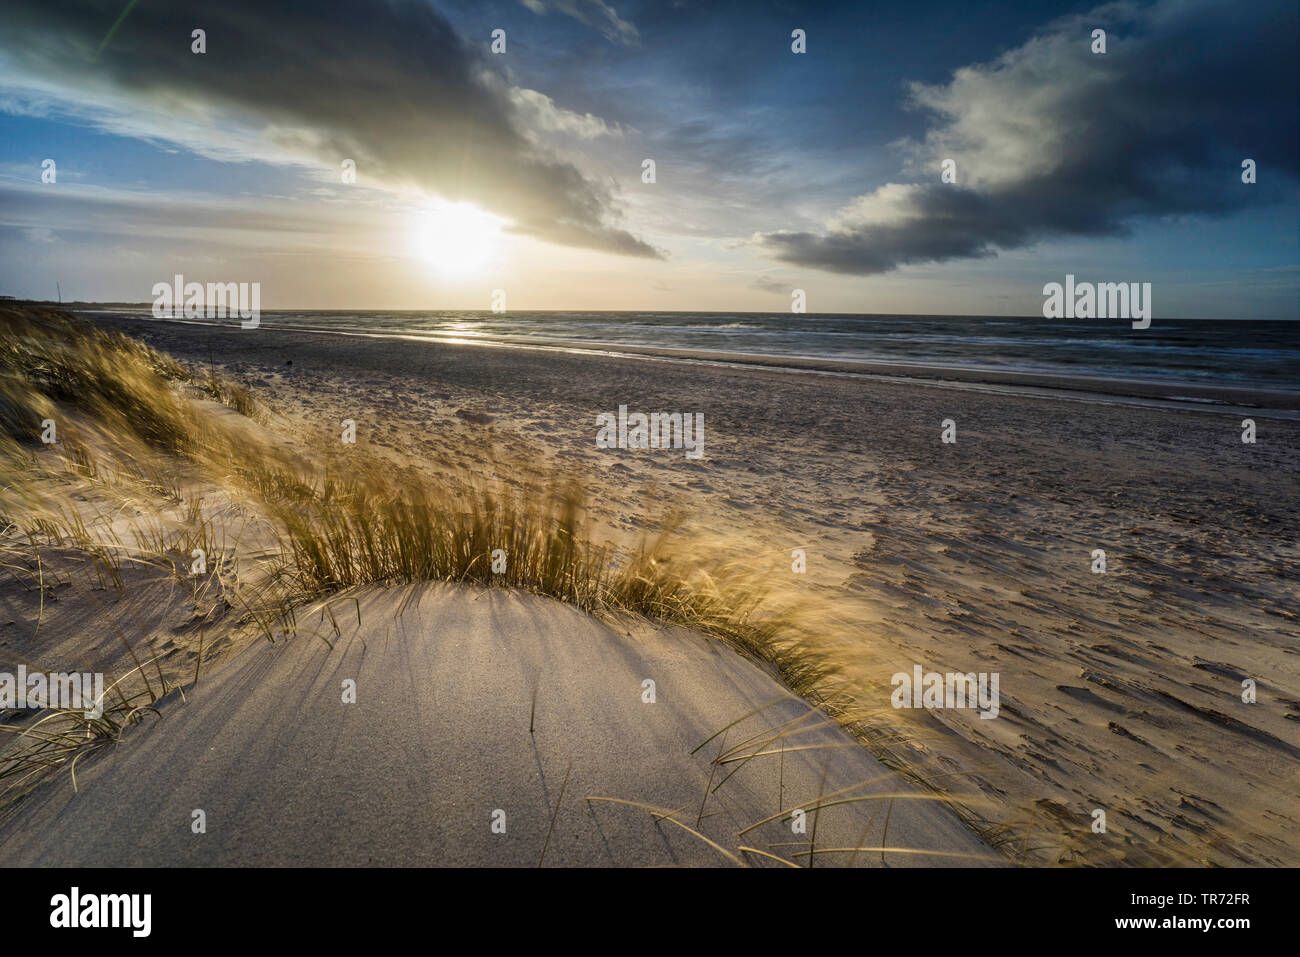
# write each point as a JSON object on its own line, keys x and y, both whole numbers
{"x": 438, "y": 740}
{"x": 1119, "y": 692}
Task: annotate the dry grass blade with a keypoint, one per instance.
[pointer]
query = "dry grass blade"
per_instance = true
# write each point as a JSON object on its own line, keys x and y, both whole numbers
{"x": 959, "y": 855}
{"x": 555, "y": 814}
{"x": 769, "y": 856}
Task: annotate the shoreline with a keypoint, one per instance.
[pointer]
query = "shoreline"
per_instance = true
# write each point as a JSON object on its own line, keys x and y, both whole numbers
{"x": 1182, "y": 396}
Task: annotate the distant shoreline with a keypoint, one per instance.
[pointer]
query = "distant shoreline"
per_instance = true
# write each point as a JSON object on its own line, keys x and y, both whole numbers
{"x": 1181, "y": 396}
{"x": 83, "y": 305}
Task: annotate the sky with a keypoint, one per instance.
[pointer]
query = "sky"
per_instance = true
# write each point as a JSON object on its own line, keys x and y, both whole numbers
{"x": 523, "y": 168}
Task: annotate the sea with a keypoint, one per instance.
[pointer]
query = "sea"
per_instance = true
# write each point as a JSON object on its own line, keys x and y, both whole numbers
{"x": 1251, "y": 354}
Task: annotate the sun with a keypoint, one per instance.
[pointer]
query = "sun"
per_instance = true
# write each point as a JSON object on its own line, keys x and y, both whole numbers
{"x": 455, "y": 238}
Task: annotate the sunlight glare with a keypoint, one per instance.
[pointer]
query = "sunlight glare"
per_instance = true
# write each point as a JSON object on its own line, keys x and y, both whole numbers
{"x": 455, "y": 238}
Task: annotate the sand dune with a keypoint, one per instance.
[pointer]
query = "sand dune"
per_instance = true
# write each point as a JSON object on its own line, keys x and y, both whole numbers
{"x": 973, "y": 556}
{"x": 1120, "y": 692}
{"x": 438, "y": 740}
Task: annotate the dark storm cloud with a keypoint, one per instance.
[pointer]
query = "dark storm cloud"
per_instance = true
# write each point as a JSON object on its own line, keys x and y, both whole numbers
{"x": 389, "y": 85}
{"x": 1052, "y": 140}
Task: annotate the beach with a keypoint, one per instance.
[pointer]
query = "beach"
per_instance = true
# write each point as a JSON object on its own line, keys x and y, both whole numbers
{"x": 1121, "y": 691}
{"x": 620, "y": 436}
{"x": 489, "y": 729}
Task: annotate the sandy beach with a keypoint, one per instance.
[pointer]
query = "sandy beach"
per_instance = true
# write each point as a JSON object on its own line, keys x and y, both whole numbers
{"x": 477, "y": 709}
{"x": 610, "y": 435}
{"x": 1120, "y": 692}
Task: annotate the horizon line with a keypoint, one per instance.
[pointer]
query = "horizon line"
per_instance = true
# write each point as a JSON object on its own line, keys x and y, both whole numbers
{"x": 685, "y": 312}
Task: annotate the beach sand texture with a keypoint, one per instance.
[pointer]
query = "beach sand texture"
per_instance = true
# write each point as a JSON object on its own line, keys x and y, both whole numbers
{"x": 1119, "y": 692}
{"x": 437, "y": 747}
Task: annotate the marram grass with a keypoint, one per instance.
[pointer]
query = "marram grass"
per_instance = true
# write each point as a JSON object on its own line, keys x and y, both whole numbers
{"x": 125, "y": 423}
{"x": 338, "y": 533}
{"x": 117, "y": 403}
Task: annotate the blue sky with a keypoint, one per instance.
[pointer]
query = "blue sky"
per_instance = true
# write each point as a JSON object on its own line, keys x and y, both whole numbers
{"x": 775, "y": 171}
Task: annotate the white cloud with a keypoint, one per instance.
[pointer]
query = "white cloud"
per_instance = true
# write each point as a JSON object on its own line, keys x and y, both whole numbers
{"x": 40, "y": 234}
{"x": 593, "y": 13}
{"x": 537, "y": 113}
